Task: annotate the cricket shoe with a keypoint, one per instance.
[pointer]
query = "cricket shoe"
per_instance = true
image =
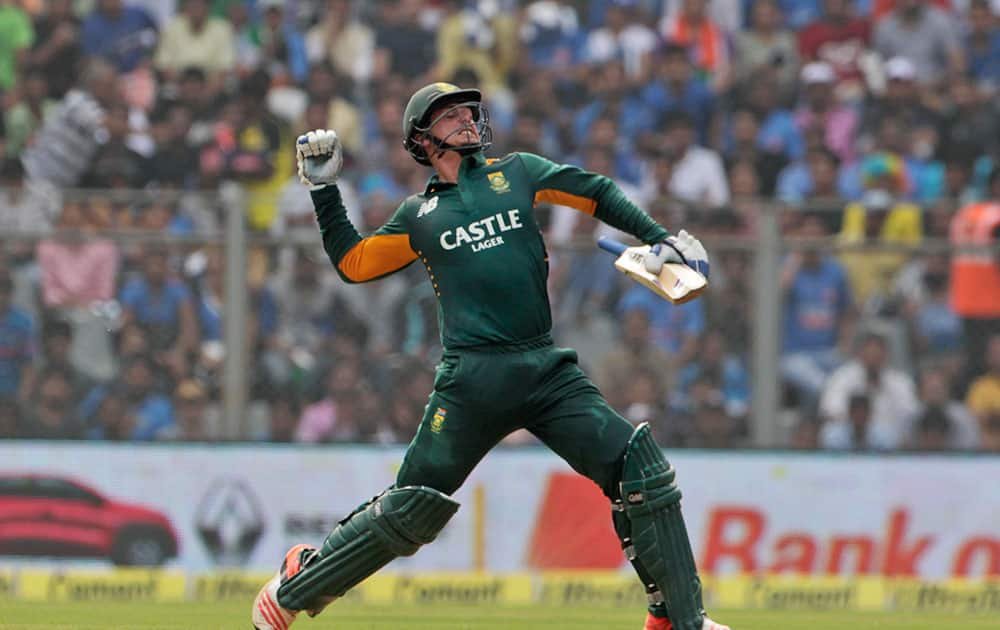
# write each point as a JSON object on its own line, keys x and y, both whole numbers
{"x": 657, "y": 623}
{"x": 267, "y": 613}
{"x": 662, "y": 623}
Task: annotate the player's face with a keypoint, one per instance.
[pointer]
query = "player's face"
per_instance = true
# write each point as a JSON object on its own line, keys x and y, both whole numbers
{"x": 455, "y": 125}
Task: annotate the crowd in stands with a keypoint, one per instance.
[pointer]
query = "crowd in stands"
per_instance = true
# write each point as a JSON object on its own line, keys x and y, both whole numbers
{"x": 875, "y": 123}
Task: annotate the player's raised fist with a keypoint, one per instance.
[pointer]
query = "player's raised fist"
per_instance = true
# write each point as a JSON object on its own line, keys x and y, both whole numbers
{"x": 319, "y": 156}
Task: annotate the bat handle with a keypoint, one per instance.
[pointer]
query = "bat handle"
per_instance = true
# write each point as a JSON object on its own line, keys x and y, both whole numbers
{"x": 611, "y": 245}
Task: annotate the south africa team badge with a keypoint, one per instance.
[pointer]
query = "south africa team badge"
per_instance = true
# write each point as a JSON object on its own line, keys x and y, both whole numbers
{"x": 498, "y": 182}
{"x": 438, "y": 422}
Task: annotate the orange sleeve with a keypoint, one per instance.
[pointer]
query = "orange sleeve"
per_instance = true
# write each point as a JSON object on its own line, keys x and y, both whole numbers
{"x": 558, "y": 197}
{"x": 377, "y": 255}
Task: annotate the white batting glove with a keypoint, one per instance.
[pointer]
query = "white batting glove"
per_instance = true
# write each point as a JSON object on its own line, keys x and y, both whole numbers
{"x": 320, "y": 158}
{"x": 683, "y": 248}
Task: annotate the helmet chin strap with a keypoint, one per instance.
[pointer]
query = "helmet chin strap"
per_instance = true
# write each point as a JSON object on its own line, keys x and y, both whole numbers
{"x": 462, "y": 149}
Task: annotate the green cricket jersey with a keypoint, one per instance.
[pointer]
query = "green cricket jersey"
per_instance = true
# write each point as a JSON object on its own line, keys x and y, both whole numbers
{"x": 480, "y": 242}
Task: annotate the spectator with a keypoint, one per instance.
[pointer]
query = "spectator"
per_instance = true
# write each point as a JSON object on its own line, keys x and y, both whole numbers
{"x": 246, "y": 139}
{"x": 113, "y": 419}
{"x": 674, "y": 87}
{"x": 724, "y": 372}
{"x": 942, "y": 423}
{"x": 332, "y": 418}
{"x": 305, "y": 293}
{"x": 983, "y": 398}
{"x": 643, "y": 401}
{"x": 479, "y": 38}
{"x": 49, "y": 412}
{"x": 819, "y": 109}
{"x": 329, "y": 90}
{"x": 342, "y": 41}
{"x": 17, "y": 342}
{"x": 698, "y": 176}
{"x": 975, "y": 276}
{"x": 745, "y": 146}
{"x": 56, "y": 52}
{"x": 728, "y": 14}
{"x": 193, "y": 39}
{"x": 148, "y": 413}
{"x": 404, "y": 46}
{"x": 729, "y": 298}
{"x": 855, "y": 432}
{"x": 767, "y": 44}
{"x": 692, "y": 28}
{"x": 77, "y": 272}
{"x": 818, "y": 318}
{"x": 163, "y": 306}
{"x": 282, "y": 47}
{"x": 813, "y": 182}
{"x": 713, "y": 426}
{"x": 970, "y": 120}
{"x": 867, "y": 404}
{"x": 933, "y": 431}
{"x": 982, "y": 44}
{"x": 674, "y": 328}
{"x": 24, "y": 118}
{"x": 991, "y": 433}
{"x": 935, "y": 330}
{"x": 174, "y": 162}
{"x": 116, "y": 164}
{"x": 778, "y": 130}
{"x": 634, "y": 354}
{"x": 622, "y": 37}
{"x": 284, "y": 410}
{"x": 56, "y": 344}
{"x": 550, "y": 31}
{"x": 924, "y": 34}
{"x": 880, "y": 218}
{"x": 959, "y": 187}
{"x": 123, "y": 35}
{"x": 196, "y": 418}
{"x": 840, "y": 39}
{"x": 901, "y": 101}
{"x": 15, "y": 45}
{"x": 71, "y": 135}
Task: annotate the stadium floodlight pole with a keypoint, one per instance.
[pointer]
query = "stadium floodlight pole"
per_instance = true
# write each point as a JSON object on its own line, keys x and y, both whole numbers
{"x": 766, "y": 328}
{"x": 234, "y": 375}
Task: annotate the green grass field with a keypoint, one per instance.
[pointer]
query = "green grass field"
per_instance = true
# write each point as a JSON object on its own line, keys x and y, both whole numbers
{"x": 24, "y": 616}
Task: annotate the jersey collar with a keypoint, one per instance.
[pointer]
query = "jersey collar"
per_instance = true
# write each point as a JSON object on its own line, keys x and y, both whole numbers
{"x": 434, "y": 184}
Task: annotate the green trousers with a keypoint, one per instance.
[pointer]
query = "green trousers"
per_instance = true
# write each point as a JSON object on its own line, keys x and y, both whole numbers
{"x": 482, "y": 395}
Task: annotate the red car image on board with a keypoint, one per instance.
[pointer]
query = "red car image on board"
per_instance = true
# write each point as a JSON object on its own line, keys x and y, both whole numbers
{"x": 45, "y": 515}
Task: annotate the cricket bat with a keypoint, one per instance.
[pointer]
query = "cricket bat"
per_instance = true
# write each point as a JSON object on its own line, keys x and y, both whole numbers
{"x": 676, "y": 282}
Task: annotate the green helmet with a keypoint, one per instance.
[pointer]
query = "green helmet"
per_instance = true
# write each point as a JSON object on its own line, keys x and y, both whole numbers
{"x": 416, "y": 118}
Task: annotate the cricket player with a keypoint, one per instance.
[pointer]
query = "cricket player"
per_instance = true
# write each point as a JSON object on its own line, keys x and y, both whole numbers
{"x": 475, "y": 231}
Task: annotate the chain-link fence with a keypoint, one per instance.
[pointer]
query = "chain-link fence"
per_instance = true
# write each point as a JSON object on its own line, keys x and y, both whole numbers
{"x": 138, "y": 316}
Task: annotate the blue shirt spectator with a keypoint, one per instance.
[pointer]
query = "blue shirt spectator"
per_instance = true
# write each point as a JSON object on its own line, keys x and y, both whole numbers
{"x": 151, "y": 415}
{"x": 163, "y": 306}
{"x": 123, "y": 35}
{"x": 672, "y": 326}
{"x": 779, "y": 134}
{"x": 17, "y": 344}
{"x": 723, "y": 370}
{"x": 675, "y": 87}
{"x": 815, "y": 303}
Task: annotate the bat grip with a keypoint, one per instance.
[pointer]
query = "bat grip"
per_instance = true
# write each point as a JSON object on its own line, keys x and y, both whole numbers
{"x": 611, "y": 245}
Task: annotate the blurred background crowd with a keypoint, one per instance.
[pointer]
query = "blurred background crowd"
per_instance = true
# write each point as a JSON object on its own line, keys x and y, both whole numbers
{"x": 871, "y": 127}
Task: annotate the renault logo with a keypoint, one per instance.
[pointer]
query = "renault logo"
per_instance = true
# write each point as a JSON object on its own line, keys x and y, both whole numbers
{"x": 229, "y": 521}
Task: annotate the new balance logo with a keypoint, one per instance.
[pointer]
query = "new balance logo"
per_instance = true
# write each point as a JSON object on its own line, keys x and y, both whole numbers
{"x": 427, "y": 207}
